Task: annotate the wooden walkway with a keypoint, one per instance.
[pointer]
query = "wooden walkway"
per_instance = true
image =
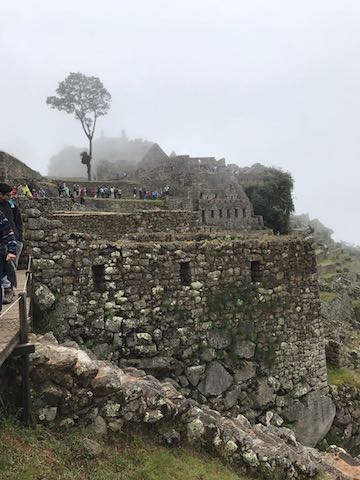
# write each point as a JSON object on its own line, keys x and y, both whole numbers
{"x": 10, "y": 320}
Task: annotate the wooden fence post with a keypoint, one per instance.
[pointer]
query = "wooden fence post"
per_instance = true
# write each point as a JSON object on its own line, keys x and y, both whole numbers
{"x": 24, "y": 361}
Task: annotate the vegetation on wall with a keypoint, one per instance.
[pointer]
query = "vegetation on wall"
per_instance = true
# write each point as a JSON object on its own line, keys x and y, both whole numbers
{"x": 273, "y": 199}
{"x": 343, "y": 376}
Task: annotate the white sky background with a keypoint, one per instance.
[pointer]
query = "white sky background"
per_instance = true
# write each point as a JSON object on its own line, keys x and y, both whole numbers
{"x": 270, "y": 81}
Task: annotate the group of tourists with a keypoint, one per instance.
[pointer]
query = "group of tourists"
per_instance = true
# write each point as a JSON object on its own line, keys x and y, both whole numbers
{"x": 77, "y": 191}
{"x": 23, "y": 190}
{"x": 108, "y": 192}
{"x": 11, "y": 242}
{"x": 150, "y": 195}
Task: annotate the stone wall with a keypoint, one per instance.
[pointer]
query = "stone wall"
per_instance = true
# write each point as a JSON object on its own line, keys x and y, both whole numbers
{"x": 228, "y": 213}
{"x": 115, "y": 225}
{"x": 125, "y": 205}
{"x": 235, "y": 323}
{"x": 46, "y": 205}
{"x": 72, "y": 388}
{"x": 3, "y": 167}
{"x": 345, "y": 430}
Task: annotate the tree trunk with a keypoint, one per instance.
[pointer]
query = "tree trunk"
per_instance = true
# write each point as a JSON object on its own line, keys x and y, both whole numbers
{"x": 89, "y": 164}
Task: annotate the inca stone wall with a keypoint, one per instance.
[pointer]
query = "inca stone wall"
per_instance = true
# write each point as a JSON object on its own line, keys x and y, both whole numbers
{"x": 124, "y": 205}
{"x": 234, "y": 323}
{"x": 72, "y": 388}
{"x": 345, "y": 430}
{"x": 228, "y": 213}
{"x": 3, "y": 167}
{"x": 46, "y": 205}
{"x": 114, "y": 225}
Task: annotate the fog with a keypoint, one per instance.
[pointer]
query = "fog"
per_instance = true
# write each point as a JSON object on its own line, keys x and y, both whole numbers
{"x": 270, "y": 81}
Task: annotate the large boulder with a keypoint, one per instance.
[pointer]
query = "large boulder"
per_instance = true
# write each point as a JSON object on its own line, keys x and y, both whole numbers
{"x": 311, "y": 418}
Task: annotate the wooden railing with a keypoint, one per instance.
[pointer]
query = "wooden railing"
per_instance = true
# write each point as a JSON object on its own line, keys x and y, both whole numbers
{"x": 18, "y": 342}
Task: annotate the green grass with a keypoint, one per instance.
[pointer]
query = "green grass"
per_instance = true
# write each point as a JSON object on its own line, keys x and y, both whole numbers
{"x": 343, "y": 376}
{"x": 327, "y": 297}
{"x": 41, "y": 454}
{"x": 326, "y": 262}
{"x": 328, "y": 276}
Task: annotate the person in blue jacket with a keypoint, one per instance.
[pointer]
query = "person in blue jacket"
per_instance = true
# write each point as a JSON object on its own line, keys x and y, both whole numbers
{"x": 8, "y": 247}
{"x": 12, "y": 212}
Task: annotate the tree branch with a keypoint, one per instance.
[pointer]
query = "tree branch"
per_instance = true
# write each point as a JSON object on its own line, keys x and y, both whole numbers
{"x": 94, "y": 124}
{"x": 84, "y": 126}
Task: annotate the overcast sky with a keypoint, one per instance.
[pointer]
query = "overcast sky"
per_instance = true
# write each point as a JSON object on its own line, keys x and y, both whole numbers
{"x": 270, "y": 81}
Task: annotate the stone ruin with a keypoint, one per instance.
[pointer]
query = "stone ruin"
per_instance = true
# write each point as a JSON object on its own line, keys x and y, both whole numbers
{"x": 211, "y": 303}
{"x": 232, "y": 320}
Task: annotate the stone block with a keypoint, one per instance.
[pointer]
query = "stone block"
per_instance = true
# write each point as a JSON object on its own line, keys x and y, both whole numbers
{"x": 194, "y": 374}
{"x": 219, "y": 339}
{"x": 217, "y": 380}
{"x": 245, "y": 349}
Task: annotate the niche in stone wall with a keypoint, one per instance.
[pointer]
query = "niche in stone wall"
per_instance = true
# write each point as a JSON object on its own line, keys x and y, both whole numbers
{"x": 185, "y": 273}
{"x": 98, "y": 276}
{"x": 255, "y": 268}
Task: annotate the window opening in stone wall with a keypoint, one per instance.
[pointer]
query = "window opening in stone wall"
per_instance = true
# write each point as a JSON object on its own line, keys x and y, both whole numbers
{"x": 203, "y": 216}
{"x": 201, "y": 195}
{"x": 212, "y": 213}
{"x": 185, "y": 273}
{"x": 236, "y": 213}
{"x": 228, "y": 213}
{"x": 220, "y": 213}
{"x": 244, "y": 212}
{"x": 255, "y": 268}
{"x": 98, "y": 276}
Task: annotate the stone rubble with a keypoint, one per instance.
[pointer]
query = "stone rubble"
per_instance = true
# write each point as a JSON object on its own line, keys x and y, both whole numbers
{"x": 73, "y": 388}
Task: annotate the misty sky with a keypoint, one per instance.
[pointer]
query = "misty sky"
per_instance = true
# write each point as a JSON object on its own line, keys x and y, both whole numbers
{"x": 270, "y": 81}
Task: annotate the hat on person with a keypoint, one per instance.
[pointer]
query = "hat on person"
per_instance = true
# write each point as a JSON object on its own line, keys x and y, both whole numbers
{"x": 5, "y": 188}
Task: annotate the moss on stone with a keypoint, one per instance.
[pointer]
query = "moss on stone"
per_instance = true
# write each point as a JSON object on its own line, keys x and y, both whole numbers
{"x": 327, "y": 297}
{"x": 343, "y": 376}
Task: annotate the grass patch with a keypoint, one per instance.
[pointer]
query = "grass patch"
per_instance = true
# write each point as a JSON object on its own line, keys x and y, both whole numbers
{"x": 329, "y": 276}
{"x": 327, "y": 297}
{"x": 343, "y": 376}
{"x": 326, "y": 262}
{"x": 42, "y": 454}
{"x": 356, "y": 306}
{"x": 48, "y": 322}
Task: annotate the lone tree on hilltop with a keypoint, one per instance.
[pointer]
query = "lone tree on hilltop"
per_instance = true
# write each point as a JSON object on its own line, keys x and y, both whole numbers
{"x": 88, "y": 99}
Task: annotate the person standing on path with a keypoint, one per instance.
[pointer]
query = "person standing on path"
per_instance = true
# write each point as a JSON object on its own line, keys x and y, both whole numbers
{"x": 12, "y": 212}
{"x": 8, "y": 248}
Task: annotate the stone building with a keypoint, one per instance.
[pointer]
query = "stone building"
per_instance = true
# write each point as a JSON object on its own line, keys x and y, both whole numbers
{"x": 211, "y": 190}
{"x": 234, "y": 321}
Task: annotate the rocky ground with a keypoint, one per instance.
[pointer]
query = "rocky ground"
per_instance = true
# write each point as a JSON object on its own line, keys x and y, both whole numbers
{"x": 73, "y": 388}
